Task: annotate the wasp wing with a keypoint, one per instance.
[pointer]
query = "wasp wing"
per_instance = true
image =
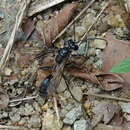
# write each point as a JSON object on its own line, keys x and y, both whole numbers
{"x": 57, "y": 75}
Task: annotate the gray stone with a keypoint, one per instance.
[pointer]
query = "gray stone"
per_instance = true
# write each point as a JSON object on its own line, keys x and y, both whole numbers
{"x": 14, "y": 116}
{"x": 81, "y": 125}
{"x": 35, "y": 121}
{"x": 77, "y": 93}
{"x": 67, "y": 94}
{"x": 72, "y": 115}
{"x": 50, "y": 121}
{"x": 125, "y": 107}
{"x": 80, "y": 30}
{"x": 28, "y": 110}
{"x": 36, "y": 107}
{"x": 67, "y": 128}
{"x": 92, "y": 52}
{"x": 82, "y": 49}
{"x": 101, "y": 44}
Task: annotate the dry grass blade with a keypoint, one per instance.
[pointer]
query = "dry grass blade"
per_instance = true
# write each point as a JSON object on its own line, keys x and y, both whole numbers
{"x": 107, "y": 97}
{"x": 71, "y": 23}
{"x": 18, "y": 22}
{"x": 86, "y": 33}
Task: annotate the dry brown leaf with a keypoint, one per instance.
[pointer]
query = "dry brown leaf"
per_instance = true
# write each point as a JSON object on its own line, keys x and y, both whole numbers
{"x": 115, "y": 52}
{"x": 56, "y": 24}
{"x": 4, "y": 98}
{"x": 109, "y": 81}
{"x": 27, "y": 27}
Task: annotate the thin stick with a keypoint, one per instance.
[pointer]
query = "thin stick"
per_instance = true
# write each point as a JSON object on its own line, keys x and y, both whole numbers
{"x": 56, "y": 108}
{"x": 23, "y": 99}
{"x": 12, "y": 127}
{"x": 9, "y": 46}
{"x": 85, "y": 35}
{"x": 68, "y": 26}
{"x": 107, "y": 97}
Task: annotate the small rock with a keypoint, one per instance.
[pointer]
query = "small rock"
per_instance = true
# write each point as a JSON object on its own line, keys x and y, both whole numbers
{"x": 35, "y": 121}
{"x": 5, "y": 115}
{"x": 14, "y": 116}
{"x": 98, "y": 64}
{"x": 88, "y": 20}
{"x": 98, "y": 53}
{"x": 81, "y": 125}
{"x": 79, "y": 30}
{"x": 36, "y": 107}
{"x": 77, "y": 92}
{"x": 28, "y": 110}
{"x": 82, "y": 49}
{"x": 2, "y": 15}
{"x": 62, "y": 86}
{"x": 125, "y": 107}
{"x": 127, "y": 126}
{"x": 104, "y": 27}
{"x": 7, "y": 71}
{"x": 67, "y": 128}
{"x": 23, "y": 121}
{"x": 50, "y": 122}
{"x": 67, "y": 94}
{"x": 72, "y": 115}
{"x": 115, "y": 21}
{"x": 101, "y": 44}
{"x": 92, "y": 52}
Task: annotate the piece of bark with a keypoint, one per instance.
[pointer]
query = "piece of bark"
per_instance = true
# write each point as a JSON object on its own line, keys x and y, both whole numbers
{"x": 56, "y": 24}
{"x": 42, "y": 5}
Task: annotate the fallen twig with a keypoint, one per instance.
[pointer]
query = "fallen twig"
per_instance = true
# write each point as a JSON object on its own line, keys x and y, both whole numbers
{"x": 107, "y": 97}
{"x": 68, "y": 26}
{"x": 18, "y": 22}
{"x": 56, "y": 108}
{"x": 23, "y": 99}
{"x": 12, "y": 127}
{"x": 86, "y": 33}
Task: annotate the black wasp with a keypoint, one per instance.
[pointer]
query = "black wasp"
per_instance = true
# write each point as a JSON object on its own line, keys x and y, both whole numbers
{"x": 51, "y": 82}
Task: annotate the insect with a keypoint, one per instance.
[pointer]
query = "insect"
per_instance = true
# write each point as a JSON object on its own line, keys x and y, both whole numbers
{"x": 51, "y": 82}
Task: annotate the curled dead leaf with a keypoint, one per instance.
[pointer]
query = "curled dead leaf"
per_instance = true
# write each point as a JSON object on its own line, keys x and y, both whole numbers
{"x": 56, "y": 24}
{"x": 109, "y": 81}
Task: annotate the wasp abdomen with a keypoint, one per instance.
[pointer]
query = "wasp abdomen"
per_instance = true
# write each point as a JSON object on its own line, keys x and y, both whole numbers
{"x": 44, "y": 86}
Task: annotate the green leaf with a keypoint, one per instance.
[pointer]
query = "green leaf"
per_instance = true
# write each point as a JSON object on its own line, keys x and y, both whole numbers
{"x": 122, "y": 67}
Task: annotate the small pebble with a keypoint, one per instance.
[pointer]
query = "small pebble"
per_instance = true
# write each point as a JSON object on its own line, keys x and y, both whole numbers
{"x": 67, "y": 128}
{"x": 81, "y": 125}
{"x": 72, "y": 115}
{"x": 101, "y": 44}
{"x": 50, "y": 121}
{"x": 35, "y": 121}
{"x": 79, "y": 30}
{"x": 14, "y": 116}
{"x": 28, "y": 110}
{"x": 92, "y": 52}
{"x": 77, "y": 92}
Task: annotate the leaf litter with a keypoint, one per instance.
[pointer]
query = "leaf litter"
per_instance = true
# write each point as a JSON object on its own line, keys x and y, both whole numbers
{"x": 21, "y": 62}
